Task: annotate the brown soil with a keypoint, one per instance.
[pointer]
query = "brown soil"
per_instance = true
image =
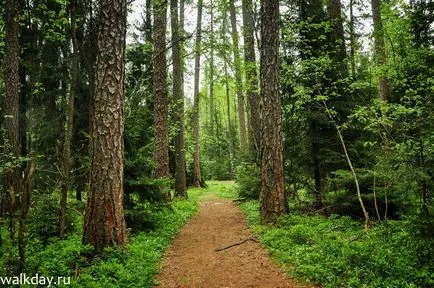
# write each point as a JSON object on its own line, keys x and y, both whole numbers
{"x": 192, "y": 260}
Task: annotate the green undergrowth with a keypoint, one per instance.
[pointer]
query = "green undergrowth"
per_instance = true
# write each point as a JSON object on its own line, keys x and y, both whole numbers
{"x": 336, "y": 252}
{"x": 134, "y": 266}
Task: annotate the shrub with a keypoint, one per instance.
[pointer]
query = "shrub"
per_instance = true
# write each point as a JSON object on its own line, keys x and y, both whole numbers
{"x": 43, "y": 218}
{"x": 248, "y": 179}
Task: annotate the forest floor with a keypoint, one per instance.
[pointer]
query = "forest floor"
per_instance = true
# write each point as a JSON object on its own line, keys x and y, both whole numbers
{"x": 194, "y": 259}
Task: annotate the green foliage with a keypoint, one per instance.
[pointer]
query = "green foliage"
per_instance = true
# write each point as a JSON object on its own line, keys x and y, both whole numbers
{"x": 248, "y": 179}
{"x": 133, "y": 267}
{"x": 43, "y": 218}
{"x": 336, "y": 252}
{"x": 137, "y": 265}
{"x": 142, "y": 198}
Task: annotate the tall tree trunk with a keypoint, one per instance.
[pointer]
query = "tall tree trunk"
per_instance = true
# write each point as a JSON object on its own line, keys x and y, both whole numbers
{"x": 228, "y": 105}
{"x": 338, "y": 39}
{"x": 160, "y": 90}
{"x": 11, "y": 120}
{"x": 148, "y": 21}
{"x": 197, "y": 178}
{"x": 238, "y": 79}
{"x": 251, "y": 77}
{"x": 180, "y": 177}
{"x": 272, "y": 196}
{"x": 352, "y": 41}
{"x": 66, "y": 159}
{"x": 380, "y": 49}
{"x": 211, "y": 69}
{"x": 104, "y": 222}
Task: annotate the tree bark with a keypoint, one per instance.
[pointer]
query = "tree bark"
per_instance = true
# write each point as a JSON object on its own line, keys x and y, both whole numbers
{"x": 228, "y": 105}
{"x": 211, "y": 70}
{"x": 148, "y": 22}
{"x": 66, "y": 161}
{"x": 160, "y": 90}
{"x": 238, "y": 79}
{"x": 197, "y": 178}
{"x": 339, "y": 53}
{"x": 11, "y": 119}
{"x": 251, "y": 77}
{"x": 273, "y": 198}
{"x": 352, "y": 41}
{"x": 180, "y": 177}
{"x": 380, "y": 49}
{"x": 104, "y": 222}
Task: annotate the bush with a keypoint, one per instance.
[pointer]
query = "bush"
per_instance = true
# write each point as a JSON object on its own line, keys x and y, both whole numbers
{"x": 43, "y": 218}
{"x": 248, "y": 179}
{"x": 146, "y": 190}
{"x": 336, "y": 252}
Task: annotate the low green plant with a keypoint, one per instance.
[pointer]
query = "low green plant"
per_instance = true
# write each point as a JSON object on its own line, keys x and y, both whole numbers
{"x": 248, "y": 179}
{"x": 43, "y": 218}
{"x": 336, "y": 251}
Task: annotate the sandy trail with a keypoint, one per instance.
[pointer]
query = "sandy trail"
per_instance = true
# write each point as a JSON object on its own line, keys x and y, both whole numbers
{"x": 192, "y": 259}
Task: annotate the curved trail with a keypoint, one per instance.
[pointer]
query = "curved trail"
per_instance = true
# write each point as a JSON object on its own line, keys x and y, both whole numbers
{"x": 192, "y": 259}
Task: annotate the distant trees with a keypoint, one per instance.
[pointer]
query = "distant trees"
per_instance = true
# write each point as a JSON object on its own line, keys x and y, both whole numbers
{"x": 104, "y": 222}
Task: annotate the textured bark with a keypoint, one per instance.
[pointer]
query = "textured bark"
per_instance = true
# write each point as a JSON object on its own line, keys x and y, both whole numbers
{"x": 160, "y": 90}
{"x": 11, "y": 119}
{"x": 104, "y": 223}
{"x": 380, "y": 48}
{"x": 197, "y": 178}
{"x": 180, "y": 177}
{"x": 238, "y": 79}
{"x": 272, "y": 196}
{"x": 338, "y": 39}
{"x": 66, "y": 157}
{"x": 251, "y": 77}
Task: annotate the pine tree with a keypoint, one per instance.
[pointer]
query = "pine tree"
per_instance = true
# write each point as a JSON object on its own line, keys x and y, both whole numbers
{"x": 272, "y": 195}
{"x": 104, "y": 222}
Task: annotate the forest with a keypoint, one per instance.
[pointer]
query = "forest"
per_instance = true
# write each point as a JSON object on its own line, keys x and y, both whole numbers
{"x": 125, "y": 122}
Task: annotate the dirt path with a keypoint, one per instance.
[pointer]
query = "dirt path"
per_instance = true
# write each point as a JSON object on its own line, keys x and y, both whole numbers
{"x": 192, "y": 260}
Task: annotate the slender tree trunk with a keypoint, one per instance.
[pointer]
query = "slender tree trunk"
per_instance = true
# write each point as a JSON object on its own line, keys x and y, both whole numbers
{"x": 273, "y": 198}
{"x": 211, "y": 70}
{"x": 251, "y": 77}
{"x": 380, "y": 49}
{"x": 228, "y": 105}
{"x": 180, "y": 177}
{"x": 160, "y": 90}
{"x": 197, "y": 178}
{"x": 25, "y": 205}
{"x": 148, "y": 21}
{"x": 104, "y": 222}
{"x": 353, "y": 171}
{"x": 66, "y": 161}
{"x": 11, "y": 119}
{"x": 238, "y": 79}
{"x": 352, "y": 41}
{"x": 338, "y": 39}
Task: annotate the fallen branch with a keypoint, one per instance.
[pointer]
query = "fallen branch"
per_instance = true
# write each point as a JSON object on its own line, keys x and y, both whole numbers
{"x": 236, "y": 244}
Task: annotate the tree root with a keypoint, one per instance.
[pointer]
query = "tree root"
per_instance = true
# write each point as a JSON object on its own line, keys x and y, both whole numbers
{"x": 236, "y": 244}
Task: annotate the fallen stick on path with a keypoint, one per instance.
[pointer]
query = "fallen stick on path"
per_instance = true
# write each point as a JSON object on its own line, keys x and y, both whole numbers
{"x": 236, "y": 244}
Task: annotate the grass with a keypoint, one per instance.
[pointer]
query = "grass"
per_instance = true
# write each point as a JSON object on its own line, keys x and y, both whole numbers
{"x": 336, "y": 252}
{"x": 134, "y": 266}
